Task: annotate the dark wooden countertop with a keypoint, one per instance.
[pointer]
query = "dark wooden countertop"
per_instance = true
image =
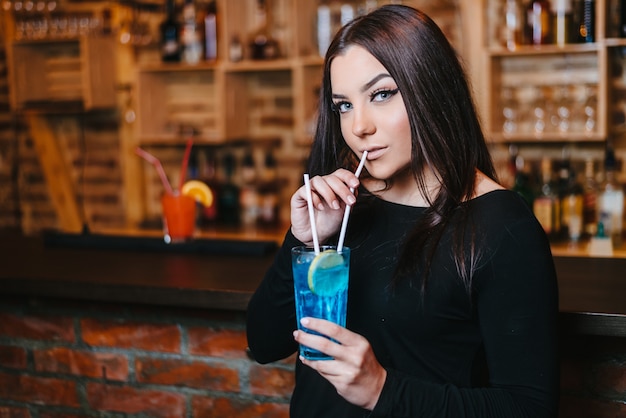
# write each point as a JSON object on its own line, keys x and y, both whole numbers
{"x": 592, "y": 291}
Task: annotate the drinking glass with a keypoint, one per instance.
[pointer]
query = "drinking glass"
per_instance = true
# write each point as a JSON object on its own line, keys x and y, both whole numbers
{"x": 321, "y": 288}
{"x": 179, "y": 217}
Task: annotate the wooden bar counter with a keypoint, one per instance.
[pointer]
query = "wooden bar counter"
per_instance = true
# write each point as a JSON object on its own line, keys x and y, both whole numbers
{"x": 224, "y": 273}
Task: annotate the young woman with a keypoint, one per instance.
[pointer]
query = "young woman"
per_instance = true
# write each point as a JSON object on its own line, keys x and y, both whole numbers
{"x": 452, "y": 304}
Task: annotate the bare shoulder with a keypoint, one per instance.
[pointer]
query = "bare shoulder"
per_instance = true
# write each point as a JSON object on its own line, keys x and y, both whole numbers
{"x": 485, "y": 185}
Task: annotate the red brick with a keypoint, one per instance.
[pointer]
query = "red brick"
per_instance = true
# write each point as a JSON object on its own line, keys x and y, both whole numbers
{"x": 225, "y": 343}
{"x": 10, "y": 412}
{"x": 231, "y": 408}
{"x": 153, "y": 403}
{"x": 577, "y": 407}
{"x": 131, "y": 335}
{"x": 44, "y": 390}
{"x": 271, "y": 381}
{"x": 12, "y": 357}
{"x": 55, "y": 328}
{"x": 83, "y": 363}
{"x": 193, "y": 374}
{"x": 60, "y": 415}
{"x": 610, "y": 379}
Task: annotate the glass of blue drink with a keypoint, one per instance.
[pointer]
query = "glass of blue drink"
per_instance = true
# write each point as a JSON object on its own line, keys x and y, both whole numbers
{"x": 321, "y": 288}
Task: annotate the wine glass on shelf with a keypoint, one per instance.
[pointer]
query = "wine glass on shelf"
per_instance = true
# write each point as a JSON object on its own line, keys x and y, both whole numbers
{"x": 510, "y": 110}
{"x": 590, "y": 107}
{"x": 562, "y": 108}
{"x": 538, "y": 111}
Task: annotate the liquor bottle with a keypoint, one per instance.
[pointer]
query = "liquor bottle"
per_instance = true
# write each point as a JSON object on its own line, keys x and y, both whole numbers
{"x": 562, "y": 18}
{"x": 611, "y": 201}
{"x": 587, "y": 24}
{"x": 170, "y": 35}
{"x": 522, "y": 181}
{"x": 235, "y": 49}
{"x": 210, "y": 31}
{"x": 207, "y": 172}
{"x": 622, "y": 19}
{"x": 590, "y": 201}
{"x": 324, "y": 27}
{"x": 269, "y": 192}
{"x": 571, "y": 206}
{"x": 538, "y": 22}
{"x": 190, "y": 37}
{"x": 546, "y": 203}
{"x": 512, "y": 28}
{"x": 262, "y": 45}
{"x": 248, "y": 195}
{"x": 228, "y": 208}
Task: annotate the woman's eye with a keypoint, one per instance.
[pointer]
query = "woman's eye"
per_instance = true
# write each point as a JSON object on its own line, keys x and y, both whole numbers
{"x": 342, "y": 107}
{"x": 382, "y": 95}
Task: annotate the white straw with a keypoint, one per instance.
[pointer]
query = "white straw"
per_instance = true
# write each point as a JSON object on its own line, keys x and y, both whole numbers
{"x": 309, "y": 200}
{"x": 346, "y": 213}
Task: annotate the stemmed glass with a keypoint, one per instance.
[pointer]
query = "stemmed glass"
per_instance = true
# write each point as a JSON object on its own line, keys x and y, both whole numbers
{"x": 510, "y": 108}
{"x": 590, "y": 107}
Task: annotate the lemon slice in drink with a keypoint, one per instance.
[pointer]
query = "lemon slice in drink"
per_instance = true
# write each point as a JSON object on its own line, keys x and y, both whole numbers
{"x": 322, "y": 279}
{"x": 199, "y": 191}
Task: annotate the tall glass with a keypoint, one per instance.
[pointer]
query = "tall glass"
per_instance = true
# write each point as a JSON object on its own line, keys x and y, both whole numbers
{"x": 321, "y": 288}
{"x": 179, "y": 217}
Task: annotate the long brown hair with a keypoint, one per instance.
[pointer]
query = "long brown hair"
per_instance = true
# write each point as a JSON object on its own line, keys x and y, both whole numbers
{"x": 446, "y": 134}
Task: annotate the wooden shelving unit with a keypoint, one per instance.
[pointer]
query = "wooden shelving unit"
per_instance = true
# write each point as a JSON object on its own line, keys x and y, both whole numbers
{"x": 583, "y": 72}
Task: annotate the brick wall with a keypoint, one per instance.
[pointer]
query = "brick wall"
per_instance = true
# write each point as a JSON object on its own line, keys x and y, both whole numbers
{"x": 62, "y": 359}
{"x": 78, "y": 360}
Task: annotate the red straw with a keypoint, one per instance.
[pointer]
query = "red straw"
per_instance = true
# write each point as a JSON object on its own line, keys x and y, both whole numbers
{"x": 157, "y": 164}
{"x": 183, "y": 169}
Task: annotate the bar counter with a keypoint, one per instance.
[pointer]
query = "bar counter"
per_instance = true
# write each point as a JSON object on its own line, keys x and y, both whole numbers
{"x": 224, "y": 274}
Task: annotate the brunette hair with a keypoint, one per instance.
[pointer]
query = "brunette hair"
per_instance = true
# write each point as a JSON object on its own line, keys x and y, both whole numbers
{"x": 446, "y": 134}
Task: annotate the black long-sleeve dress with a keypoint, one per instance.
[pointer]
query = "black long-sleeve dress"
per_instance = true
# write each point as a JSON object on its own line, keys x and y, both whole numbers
{"x": 449, "y": 352}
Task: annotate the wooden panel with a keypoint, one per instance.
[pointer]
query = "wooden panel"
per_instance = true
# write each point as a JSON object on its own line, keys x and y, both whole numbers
{"x": 99, "y": 76}
{"x": 57, "y": 173}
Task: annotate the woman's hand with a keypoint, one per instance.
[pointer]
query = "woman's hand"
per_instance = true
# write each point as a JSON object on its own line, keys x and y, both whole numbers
{"x": 330, "y": 195}
{"x": 355, "y": 372}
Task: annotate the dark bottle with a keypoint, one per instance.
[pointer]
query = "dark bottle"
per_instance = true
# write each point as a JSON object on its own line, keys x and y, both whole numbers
{"x": 228, "y": 209}
{"x": 262, "y": 45}
{"x": 170, "y": 35}
{"x": 571, "y": 204}
{"x": 546, "y": 203}
{"x": 587, "y": 25}
{"x": 622, "y": 19}
{"x": 538, "y": 22}
{"x": 590, "y": 200}
{"x": 522, "y": 183}
{"x": 269, "y": 192}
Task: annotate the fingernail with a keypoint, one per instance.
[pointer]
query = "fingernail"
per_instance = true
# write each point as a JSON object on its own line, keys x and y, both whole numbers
{"x": 304, "y": 321}
{"x": 320, "y": 206}
{"x": 351, "y": 199}
{"x": 335, "y": 204}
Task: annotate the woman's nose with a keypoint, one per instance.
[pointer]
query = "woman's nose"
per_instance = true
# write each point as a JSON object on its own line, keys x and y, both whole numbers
{"x": 362, "y": 125}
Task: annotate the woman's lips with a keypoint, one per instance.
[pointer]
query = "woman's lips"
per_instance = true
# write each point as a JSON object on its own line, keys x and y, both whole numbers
{"x": 375, "y": 153}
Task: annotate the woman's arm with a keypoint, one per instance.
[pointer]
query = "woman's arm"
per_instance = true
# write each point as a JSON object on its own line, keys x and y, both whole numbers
{"x": 517, "y": 305}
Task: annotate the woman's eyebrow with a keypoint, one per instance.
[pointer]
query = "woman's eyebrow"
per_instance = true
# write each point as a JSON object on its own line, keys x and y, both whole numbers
{"x": 373, "y": 81}
{"x": 365, "y": 87}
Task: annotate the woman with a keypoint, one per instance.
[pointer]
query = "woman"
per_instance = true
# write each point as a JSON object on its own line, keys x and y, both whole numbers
{"x": 452, "y": 305}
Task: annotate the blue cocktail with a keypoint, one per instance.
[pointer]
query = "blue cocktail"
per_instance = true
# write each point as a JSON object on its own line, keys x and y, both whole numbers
{"x": 321, "y": 288}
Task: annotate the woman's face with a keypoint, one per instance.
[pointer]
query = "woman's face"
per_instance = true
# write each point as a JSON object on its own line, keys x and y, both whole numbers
{"x": 372, "y": 113}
